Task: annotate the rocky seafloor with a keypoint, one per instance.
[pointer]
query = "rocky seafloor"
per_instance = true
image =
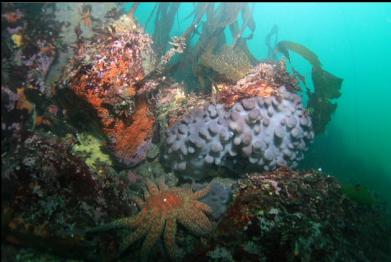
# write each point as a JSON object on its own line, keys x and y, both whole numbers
{"x": 106, "y": 157}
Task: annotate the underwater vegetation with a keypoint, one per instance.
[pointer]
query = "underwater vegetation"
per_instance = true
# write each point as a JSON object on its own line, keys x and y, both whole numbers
{"x": 326, "y": 85}
{"x": 359, "y": 193}
{"x": 118, "y": 144}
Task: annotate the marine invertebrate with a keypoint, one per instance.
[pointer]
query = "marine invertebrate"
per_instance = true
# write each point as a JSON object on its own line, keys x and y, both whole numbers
{"x": 219, "y": 196}
{"x": 161, "y": 210}
{"x": 265, "y": 132}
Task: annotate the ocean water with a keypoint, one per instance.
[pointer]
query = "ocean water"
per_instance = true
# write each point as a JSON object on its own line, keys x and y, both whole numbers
{"x": 352, "y": 41}
{"x": 97, "y": 128}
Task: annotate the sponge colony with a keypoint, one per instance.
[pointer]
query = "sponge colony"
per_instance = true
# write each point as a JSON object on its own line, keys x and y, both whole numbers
{"x": 260, "y": 132}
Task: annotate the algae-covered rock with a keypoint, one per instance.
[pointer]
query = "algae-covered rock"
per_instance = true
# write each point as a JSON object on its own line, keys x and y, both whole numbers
{"x": 290, "y": 216}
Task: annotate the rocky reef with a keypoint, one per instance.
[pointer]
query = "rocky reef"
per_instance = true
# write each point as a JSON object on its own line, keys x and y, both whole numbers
{"x": 291, "y": 216}
{"x": 265, "y": 132}
{"x": 49, "y": 195}
{"x": 94, "y": 110}
{"x": 104, "y": 73}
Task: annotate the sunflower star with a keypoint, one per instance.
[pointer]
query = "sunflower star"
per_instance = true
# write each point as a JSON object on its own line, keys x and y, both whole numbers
{"x": 159, "y": 213}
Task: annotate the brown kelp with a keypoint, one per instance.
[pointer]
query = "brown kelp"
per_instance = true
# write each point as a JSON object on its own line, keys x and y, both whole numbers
{"x": 270, "y": 49}
{"x": 164, "y": 20}
{"x": 326, "y": 85}
{"x": 202, "y": 64}
{"x": 285, "y": 46}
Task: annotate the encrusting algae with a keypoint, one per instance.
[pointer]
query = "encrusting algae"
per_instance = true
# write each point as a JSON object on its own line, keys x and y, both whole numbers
{"x": 17, "y": 39}
{"x": 90, "y": 147}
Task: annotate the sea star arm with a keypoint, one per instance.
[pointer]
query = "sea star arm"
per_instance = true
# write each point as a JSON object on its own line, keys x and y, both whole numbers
{"x": 139, "y": 202}
{"x": 146, "y": 193}
{"x": 195, "y": 221}
{"x": 203, "y": 222}
{"x": 152, "y": 236}
{"x": 203, "y": 192}
{"x": 202, "y": 206}
{"x": 120, "y": 223}
{"x": 162, "y": 185}
{"x": 141, "y": 230}
{"x": 152, "y": 188}
{"x": 169, "y": 238}
{"x": 186, "y": 220}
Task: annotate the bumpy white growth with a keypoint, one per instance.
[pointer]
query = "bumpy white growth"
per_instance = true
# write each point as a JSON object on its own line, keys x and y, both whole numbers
{"x": 265, "y": 132}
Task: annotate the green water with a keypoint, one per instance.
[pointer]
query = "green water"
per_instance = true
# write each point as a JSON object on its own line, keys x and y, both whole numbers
{"x": 352, "y": 41}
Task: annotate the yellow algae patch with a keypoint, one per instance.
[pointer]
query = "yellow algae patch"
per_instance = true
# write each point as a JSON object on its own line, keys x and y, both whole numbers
{"x": 17, "y": 39}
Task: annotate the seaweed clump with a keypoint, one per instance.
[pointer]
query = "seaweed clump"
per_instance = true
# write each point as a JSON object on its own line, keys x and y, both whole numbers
{"x": 211, "y": 59}
{"x": 320, "y": 103}
{"x": 326, "y": 85}
{"x": 289, "y": 216}
{"x": 230, "y": 64}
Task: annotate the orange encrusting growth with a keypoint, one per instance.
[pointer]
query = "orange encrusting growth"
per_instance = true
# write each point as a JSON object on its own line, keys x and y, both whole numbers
{"x": 230, "y": 95}
{"x": 23, "y": 102}
{"x": 129, "y": 137}
{"x": 105, "y": 73}
{"x": 127, "y": 134}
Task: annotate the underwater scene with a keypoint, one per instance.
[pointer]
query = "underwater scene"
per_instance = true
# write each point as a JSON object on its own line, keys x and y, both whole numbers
{"x": 195, "y": 131}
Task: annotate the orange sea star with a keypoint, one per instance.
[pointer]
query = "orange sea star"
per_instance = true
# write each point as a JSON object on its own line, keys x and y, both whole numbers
{"x": 162, "y": 208}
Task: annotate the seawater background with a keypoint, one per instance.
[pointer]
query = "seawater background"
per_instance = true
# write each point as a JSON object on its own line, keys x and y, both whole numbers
{"x": 352, "y": 41}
